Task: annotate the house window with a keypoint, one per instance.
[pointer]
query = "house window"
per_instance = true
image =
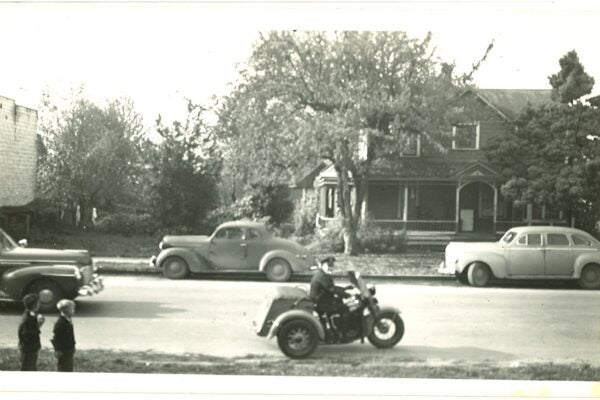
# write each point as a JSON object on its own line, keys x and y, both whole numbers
{"x": 465, "y": 137}
{"x": 412, "y": 146}
{"x": 330, "y": 202}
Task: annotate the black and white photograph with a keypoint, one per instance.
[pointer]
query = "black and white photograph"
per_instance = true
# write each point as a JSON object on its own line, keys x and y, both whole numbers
{"x": 298, "y": 199}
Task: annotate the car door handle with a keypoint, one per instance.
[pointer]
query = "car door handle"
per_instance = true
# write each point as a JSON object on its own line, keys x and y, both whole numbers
{"x": 243, "y": 244}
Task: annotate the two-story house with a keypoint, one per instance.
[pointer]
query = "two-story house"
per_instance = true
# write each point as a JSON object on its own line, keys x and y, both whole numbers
{"x": 454, "y": 192}
{"x": 18, "y": 163}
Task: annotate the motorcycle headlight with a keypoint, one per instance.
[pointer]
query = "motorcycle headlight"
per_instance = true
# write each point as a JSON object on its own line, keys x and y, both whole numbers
{"x": 372, "y": 290}
{"x": 77, "y": 273}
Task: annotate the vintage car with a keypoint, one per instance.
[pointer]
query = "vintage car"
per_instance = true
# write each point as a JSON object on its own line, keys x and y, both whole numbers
{"x": 234, "y": 246}
{"x": 529, "y": 252}
{"x": 52, "y": 274}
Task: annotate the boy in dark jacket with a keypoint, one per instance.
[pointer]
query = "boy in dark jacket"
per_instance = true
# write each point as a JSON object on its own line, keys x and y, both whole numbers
{"x": 64, "y": 336}
{"x": 29, "y": 333}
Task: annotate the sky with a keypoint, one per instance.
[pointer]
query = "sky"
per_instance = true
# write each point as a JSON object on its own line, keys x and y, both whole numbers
{"x": 160, "y": 53}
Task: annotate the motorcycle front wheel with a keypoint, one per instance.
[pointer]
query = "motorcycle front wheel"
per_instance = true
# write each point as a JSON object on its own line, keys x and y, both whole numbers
{"x": 297, "y": 338}
{"x": 388, "y": 330}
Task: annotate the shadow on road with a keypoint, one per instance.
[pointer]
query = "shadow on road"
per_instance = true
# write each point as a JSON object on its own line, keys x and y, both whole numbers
{"x": 104, "y": 308}
{"x": 411, "y": 353}
{"x": 124, "y": 309}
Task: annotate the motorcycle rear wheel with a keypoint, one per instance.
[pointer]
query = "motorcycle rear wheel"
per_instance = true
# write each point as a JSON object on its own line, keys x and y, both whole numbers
{"x": 388, "y": 330}
{"x": 297, "y": 338}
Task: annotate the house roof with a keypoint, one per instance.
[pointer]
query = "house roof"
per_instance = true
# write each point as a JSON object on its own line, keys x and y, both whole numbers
{"x": 510, "y": 102}
{"x": 433, "y": 169}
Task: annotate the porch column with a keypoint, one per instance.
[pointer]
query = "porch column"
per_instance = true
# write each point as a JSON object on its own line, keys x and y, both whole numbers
{"x": 365, "y": 205}
{"x": 405, "y": 210}
{"x": 495, "y": 208}
{"x": 457, "y": 212}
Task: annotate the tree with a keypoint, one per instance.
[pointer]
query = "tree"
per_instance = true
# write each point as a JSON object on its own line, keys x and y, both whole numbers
{"x": 571, "y": 82}
{"x": 91, "y": 153}
{"x": 186, "y": 167}
{"x": 549, "y": 159}
{"x": 316, "y": 96}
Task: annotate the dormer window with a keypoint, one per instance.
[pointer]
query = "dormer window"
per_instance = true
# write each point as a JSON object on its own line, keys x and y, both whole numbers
{"x": 465, "y": 137}
{"x": 412, "y": 146}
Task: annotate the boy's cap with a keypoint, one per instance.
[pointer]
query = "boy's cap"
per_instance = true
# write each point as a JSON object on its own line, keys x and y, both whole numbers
{"x": 328, "y": 259}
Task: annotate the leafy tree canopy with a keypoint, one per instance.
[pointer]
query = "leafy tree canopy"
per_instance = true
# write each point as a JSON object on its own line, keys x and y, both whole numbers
{"x": 549, "y": 159}
{"x": 90, "y": 152}
{"x": 307, "y": 96}
{"x": 571, "y": 82}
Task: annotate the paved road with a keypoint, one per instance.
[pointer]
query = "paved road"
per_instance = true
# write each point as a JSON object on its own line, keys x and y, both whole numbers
{"x": 444, "y": 322}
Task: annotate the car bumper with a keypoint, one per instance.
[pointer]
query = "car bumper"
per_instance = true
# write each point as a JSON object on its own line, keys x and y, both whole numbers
{"x": 95, "y": 286}
{"x": 445, "y": 269}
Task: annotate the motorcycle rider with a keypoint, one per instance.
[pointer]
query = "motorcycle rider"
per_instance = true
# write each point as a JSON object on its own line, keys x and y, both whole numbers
{"x": 327, "y": 296}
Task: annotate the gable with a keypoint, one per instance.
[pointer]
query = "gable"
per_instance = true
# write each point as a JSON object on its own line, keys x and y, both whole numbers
{"x": 508, "y": 103}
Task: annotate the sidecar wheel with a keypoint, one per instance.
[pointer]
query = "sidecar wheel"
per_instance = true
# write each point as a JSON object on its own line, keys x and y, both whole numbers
{"x": 388, "y": 329}
{"x": 297, "y": 338}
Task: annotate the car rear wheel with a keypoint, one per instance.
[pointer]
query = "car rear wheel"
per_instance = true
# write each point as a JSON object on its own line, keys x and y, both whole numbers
{"x": 297, "y": 338}
{"x": 48, "y": 292}
{"x": 278, "y": 270}
{"x": 590, "y": 277}
{"x": 479, "y": 274}
{"x": 175, "y": 268}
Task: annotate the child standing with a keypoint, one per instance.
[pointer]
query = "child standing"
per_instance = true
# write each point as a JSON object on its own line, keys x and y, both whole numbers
{"x": 64, "y": 336}
{"x": 29, "y": 332}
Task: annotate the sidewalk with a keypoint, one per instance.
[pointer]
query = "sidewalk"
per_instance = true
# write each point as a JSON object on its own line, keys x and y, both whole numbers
{"x": 409, "y": 265}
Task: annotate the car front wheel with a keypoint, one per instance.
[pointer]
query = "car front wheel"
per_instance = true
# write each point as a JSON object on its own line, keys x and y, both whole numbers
{"x": 479, "y": 274}
{"x": 278, "y": 270}
{"x": 590, "y": 277}
{"x": 175, "y": 268}
{"x": 48, "y": 292}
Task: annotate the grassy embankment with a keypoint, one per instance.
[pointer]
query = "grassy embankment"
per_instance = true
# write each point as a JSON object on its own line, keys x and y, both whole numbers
{"x": 141, "y": 362}
{"x": 413, "y": 262}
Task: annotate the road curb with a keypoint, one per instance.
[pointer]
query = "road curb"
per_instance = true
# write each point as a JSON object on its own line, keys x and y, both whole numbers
{"x": 134, "y": 267}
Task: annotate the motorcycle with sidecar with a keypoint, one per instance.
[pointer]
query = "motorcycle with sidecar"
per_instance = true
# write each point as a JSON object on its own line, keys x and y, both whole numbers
{"x": 290, "y": 315}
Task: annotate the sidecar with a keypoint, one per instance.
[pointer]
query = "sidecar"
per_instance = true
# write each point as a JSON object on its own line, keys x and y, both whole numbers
{"x": 289, "y": 313}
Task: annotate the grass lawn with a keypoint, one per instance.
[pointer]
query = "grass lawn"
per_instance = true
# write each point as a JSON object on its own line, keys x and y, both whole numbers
{"x": 347, "y": 366}
{"x": 423, "y": 262}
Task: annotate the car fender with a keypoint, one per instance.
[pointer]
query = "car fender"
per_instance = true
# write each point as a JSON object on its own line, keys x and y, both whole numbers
{"x": 291, "y": 258}
{"x": 291, "y": 314}
{"x": 193, "y": 260}
{"x": 496, "y": 262}
{"x": 370, "y": 319}
{"x": 584, "y": 259}
{"x": 16, "y": 281}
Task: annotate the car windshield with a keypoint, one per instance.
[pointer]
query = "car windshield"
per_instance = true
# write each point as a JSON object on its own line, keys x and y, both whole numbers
{"x": 508, "y": 237}
{"x": 6, "y": 242}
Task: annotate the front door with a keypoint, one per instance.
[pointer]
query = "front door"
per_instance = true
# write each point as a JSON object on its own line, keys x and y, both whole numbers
{"x": 228, "y": 249}
{"x": 559, "y": 255}
{"x": 526, "y": 255}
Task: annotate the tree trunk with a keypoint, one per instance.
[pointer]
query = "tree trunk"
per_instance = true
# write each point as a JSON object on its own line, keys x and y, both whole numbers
{"x": 350, "y": 242}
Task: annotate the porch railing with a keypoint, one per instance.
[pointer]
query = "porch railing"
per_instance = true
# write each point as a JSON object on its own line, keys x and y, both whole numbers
{"x": 417, "y": 225}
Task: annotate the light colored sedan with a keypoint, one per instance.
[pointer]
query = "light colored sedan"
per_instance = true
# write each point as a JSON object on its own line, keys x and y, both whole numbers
{"x": 529, "y": 252}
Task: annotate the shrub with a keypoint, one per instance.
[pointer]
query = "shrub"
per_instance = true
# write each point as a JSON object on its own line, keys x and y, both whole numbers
{"x": 305, "y": 215}
{"x": 374, "y": 239}
{"x": 371, "y": 238}
{"x": 127, "y": 224}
